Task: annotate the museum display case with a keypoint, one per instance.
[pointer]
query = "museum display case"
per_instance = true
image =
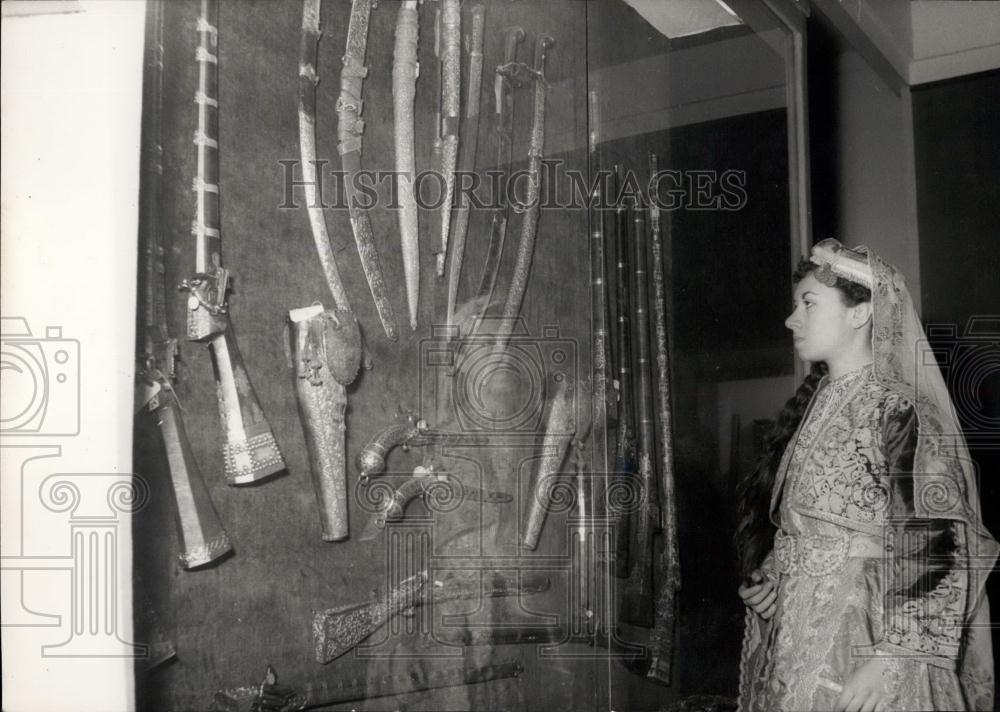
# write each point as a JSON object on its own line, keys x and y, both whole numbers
{"x": 449, "y": 313}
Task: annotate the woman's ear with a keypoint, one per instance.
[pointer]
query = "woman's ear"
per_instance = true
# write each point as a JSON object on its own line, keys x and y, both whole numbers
{"x": 861, "y": 314}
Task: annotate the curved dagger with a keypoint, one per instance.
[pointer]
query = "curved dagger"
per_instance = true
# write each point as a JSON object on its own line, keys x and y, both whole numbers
{"x": 405, "y": 70}
{"x": 350, "y": 126}
{"x": 308, "y": 79}
{"x": 560, "y": 426}
{"x": 529, "y": 223}
{"x": 467, "y": 155}
{"x": 451, "y": 89}
{"x": 507, "y": 77}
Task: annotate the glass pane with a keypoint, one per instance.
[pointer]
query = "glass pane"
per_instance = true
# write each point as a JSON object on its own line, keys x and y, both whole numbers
{"x": 704, "y": 87}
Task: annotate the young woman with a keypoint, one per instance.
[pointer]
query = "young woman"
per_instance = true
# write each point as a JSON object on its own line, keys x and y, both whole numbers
{"x": 861, "y": 547}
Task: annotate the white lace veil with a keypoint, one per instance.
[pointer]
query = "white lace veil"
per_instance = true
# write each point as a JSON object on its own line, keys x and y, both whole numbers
{"x": 944, "y": 476}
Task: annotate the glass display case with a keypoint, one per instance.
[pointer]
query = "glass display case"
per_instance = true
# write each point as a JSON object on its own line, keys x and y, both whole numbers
{"x": 481, "y": 304}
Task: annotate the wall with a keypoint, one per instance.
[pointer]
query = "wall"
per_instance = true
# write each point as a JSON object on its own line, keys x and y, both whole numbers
{"x": 861, "y": 144}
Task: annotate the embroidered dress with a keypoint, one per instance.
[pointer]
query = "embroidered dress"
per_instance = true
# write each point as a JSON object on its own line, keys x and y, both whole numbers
{"x": 880, "y": 549}
{"x": 829, "y": 566}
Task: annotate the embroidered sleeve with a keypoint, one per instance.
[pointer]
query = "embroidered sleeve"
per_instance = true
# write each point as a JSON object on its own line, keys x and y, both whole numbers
{"x": 927, "y": 595}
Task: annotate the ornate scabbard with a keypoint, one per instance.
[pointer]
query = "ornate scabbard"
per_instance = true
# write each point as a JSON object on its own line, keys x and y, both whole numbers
{"x": 505, "y": 79}
{"x": 529, "y": 223}
{"x": 405, "y": 70}
{"x": 467, "y": 156}
{"x": 325, "y": 350}
{"x": 560, "y": 425}
{"x": 661, "y": 638}
{"x": 350, "y": 127}
{"x": 451, "y": 98}
{"x": 438, "y": 489}
{"x": 308, "y": 79}
{"x": 338, "y": 630}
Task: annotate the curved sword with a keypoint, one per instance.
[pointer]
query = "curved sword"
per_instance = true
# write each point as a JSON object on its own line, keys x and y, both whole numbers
{"x": 506, "y": 79}
{"x": 350, "y": 126}
{"x": 308, "y": 79}
{"x": 529, "y": 223}
{"x": 451, "y": 88}
{"x": 467, "y": 162}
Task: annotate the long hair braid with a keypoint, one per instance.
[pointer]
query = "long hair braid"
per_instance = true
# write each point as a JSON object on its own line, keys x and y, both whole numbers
{"x": 755, "y": 531}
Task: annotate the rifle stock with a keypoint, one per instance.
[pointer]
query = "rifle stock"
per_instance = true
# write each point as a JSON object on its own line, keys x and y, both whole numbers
{"x": 338, "y": 630}
{"x": 249, "y": 449}
{"x": 202, "y": 538}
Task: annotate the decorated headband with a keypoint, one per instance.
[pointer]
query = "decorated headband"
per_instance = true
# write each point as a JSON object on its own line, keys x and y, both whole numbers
{"x": 835, "y": 260}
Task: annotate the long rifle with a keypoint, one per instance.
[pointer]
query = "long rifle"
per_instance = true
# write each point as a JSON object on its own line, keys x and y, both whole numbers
{"x": 350, "y": 127}
{"x": 507, "y": 77}
{"x": 451, "y": 99}
{"x": 467, "y": 155}
{"x": 404, "y": 90}
{"x": 637, "y": 602}
{"x": 250, "y": 450}
{"x": 202, "y": 537}
{"x": 625, "y": 446}
{"x": 661, "y": 639}
{"x": 531, "y": 208}
{"x": 600, "y": 375}
{"x": 308, "y": 79}
{"x": 269, "y": 696}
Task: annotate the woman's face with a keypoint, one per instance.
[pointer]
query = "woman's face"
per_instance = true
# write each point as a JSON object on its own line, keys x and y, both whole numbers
{"x": 821, "y": 323}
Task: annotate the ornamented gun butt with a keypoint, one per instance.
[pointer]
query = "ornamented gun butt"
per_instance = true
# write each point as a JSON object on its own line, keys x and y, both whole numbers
{"x": 249, "y": 449}
{"x": 202, "y": 538}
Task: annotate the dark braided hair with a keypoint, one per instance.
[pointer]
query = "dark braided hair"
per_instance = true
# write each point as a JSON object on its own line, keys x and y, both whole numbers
{"x": 755, "y": 532}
